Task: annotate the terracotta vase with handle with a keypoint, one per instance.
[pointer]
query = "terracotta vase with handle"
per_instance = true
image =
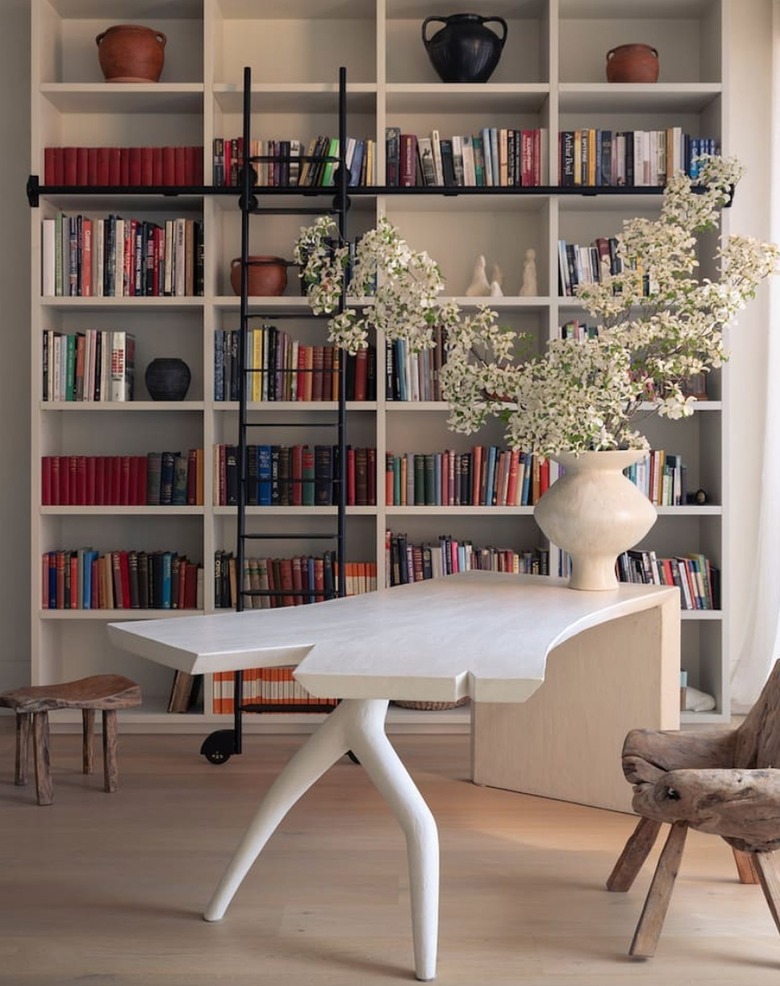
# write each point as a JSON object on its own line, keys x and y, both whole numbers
{"x": 632, "y": 63}
{"x": 594, "y": 512}
{"x": 131, "y": 53}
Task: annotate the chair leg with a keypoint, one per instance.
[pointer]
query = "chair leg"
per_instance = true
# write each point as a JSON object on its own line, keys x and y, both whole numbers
{"x": 110, "y": 772}
{"x": 43, "y": 783}
{"x": 22, "y": 747}
{"x": 769, "y": 877}
{"x": 746, "y": 867}
{"x": 634, "y": 854}
{"x": 87, "y": 729}
{"x": 651, "y": 921}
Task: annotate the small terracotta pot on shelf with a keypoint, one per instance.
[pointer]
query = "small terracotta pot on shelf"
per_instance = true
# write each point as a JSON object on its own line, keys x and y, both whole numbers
{"x": 632, "y": 63}
{"x": 267, "y": 276}
{"x": 131, "y": 53}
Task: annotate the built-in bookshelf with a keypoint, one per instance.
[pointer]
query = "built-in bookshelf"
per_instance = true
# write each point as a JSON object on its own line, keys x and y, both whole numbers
{"x": 550, "y": 80}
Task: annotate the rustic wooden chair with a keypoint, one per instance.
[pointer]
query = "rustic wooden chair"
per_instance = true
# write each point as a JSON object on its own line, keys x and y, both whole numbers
{"x": 107, "y": 692}
{"x": 722, "y": 782}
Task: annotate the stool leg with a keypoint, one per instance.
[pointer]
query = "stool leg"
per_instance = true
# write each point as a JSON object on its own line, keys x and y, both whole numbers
{"x": 110, "y": 771}
{"x": 746, "y": 869}
{"x": 769, "y": 877}
{"x": 43, "y": 783}
{"x": 22, "y": 747}
{"x": 87, "y": 729}
{"x": 653, "y": 913}
{"x": 635, "y": 852}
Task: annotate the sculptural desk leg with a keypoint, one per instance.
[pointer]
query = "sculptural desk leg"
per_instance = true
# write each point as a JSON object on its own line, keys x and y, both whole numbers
{"x": 356, "y": 725}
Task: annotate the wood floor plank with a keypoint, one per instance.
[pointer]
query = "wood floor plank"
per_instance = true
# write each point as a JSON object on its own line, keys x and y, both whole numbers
{"x": 111, "y": 890}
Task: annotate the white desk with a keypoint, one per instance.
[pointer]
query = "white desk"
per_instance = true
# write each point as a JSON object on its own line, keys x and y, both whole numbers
{"x": 482, "y": 634}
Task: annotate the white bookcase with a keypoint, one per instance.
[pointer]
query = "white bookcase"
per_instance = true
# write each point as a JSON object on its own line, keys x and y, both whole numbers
{"x": 551, "y": 76}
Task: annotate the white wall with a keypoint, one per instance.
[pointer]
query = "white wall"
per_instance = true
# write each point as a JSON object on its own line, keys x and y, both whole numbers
{"x": 15, "y": 344}
{"x": 748, "y": 137}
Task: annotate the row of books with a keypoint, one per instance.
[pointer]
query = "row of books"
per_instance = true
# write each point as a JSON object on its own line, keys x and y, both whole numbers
{"x": 694, "y": 574}
{"x": 83, "y": 578}
{"x": 295, "y": 581}
{"x": 284, "y": 369}
{"x": 415, "y": 376}
{"x": 485, "y": 476}
{"x": 407, "y": 561}
{"x": 578, "y": 331}
{"x": 494, "y": 157}
{"x": 295, "y": 475}
{"x": 144, "y": 166}
{"x": 662, "y": 477}
{"x": 294, "y": 163}
{"x": 634, "y": 158}
{"x": 585, "y": 263}
{"x": 114, "y": 257}
{"x": 157, "y": 478}
{"x": 271, "y": 582}
{"x": 265, "y": 690}
{"x": 94, "y": 365}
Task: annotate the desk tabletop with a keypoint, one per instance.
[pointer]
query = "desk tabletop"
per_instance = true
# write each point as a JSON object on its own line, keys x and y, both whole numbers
{"x": 482, "y": 634}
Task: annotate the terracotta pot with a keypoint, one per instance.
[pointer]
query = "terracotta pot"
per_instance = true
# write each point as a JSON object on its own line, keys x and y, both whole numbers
{"x": 632, "y": 63}
{"x": 131, "y": 53}
{"x": 267, "y": 275}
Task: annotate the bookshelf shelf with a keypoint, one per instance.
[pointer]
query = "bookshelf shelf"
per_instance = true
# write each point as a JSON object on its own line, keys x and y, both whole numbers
{"x": 550, "y": 77}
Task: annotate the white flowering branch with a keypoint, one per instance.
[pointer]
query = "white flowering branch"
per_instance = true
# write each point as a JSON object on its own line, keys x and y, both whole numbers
{"x": 659, "y": 325}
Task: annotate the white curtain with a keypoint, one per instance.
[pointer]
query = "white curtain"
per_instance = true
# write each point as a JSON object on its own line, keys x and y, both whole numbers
{"x": 761, "y": 647}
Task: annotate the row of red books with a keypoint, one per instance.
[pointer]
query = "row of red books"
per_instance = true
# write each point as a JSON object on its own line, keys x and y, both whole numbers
{"x": 157, "y": 478}
{"x": 145, "y": 166}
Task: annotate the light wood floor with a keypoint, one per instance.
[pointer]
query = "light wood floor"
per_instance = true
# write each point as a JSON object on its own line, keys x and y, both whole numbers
{"x": 109, "y": 889}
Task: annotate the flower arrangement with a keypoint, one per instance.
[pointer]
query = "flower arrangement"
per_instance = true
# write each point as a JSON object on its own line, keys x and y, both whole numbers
{"x": 404, "y": 285}
{"x": 658, "y": 324}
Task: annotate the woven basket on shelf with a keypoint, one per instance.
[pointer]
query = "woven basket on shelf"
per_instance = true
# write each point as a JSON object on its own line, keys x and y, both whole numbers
{"x": 432, "y": 706}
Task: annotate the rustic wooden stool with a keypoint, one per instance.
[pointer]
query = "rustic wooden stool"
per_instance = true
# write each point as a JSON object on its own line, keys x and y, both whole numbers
{"x": 723, "y": 782}
{"x": 107, "y": 692}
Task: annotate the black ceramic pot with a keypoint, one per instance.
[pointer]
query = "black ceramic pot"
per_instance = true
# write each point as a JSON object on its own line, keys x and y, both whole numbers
{"x": 167, "y": 378}
{"x": 464, "y": 50}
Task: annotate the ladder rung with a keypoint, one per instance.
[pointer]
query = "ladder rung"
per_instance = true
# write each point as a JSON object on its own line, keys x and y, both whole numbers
{"x": 288, "y": 537}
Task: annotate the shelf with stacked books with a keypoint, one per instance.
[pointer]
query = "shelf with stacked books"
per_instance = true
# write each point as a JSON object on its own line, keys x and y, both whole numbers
{"x": 549, "y": 80}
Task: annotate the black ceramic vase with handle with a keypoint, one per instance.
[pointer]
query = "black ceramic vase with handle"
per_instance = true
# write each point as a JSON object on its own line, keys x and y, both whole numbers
{"x": 464, "y": 50}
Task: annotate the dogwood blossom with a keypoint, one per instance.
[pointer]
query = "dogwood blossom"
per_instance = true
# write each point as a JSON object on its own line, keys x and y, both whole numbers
{"x": 658, "y": 326}
{"x": 658, "y": 323}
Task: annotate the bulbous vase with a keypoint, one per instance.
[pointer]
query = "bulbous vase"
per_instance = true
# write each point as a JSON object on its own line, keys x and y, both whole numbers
{"x": 131, "y": 53}
{"x": 594, "y": 512}
{"x": 464, "y": 50}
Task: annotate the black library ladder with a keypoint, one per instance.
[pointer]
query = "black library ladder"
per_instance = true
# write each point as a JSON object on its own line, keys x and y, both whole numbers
{"x": 222, "y": 743}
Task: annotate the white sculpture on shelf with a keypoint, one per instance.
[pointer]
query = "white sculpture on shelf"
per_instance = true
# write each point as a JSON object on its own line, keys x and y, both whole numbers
{"x": 529, "y": 287}
{"x": 496, "y": 281}
{"x": 480, "y": 286}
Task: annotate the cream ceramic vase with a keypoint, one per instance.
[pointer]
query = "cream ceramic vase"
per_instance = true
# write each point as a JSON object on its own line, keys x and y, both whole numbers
{"x": 595, "y": 513}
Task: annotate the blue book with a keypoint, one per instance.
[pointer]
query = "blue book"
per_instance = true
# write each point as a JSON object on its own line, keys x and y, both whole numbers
{"x": 219, "y": 365}
{"x": 490, "y": 490}
{"x": 167, "y": 557}
{"x": 264, "y": 475}
{"x": 525, "y": 462}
